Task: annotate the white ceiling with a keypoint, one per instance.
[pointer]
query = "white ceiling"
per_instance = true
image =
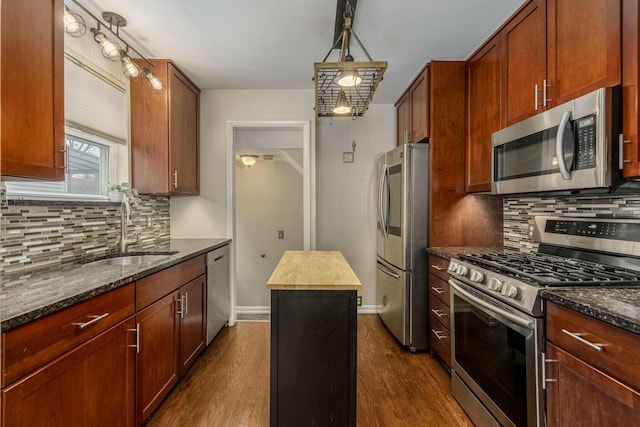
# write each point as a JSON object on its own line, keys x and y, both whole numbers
{"x": 272, "y": 44}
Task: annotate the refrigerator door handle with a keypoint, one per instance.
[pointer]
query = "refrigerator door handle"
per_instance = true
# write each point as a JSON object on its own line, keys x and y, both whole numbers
{"x": 387, "y": 185}
{"x": 380, "y": 216}
{"x": 382, "y": 268}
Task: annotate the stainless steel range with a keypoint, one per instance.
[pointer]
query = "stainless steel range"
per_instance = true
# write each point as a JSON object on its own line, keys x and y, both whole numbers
{"x": 497, "y": 314}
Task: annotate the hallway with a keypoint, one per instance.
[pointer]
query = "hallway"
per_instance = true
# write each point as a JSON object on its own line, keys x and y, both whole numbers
{"x": 229, "y": 384}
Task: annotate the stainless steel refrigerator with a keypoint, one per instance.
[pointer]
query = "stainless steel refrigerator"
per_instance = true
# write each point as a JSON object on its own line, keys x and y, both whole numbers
{"x": 402, "y": 239}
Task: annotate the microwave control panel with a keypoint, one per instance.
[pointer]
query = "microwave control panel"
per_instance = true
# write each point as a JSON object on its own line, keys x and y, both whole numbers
{"x": 585, "y": 134}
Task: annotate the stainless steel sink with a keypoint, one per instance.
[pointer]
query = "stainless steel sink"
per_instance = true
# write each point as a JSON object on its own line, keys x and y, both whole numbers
{"x": 131, "y": 258}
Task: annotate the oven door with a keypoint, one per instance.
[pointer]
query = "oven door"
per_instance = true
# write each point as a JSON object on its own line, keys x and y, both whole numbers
{"x": 496, "y": 351}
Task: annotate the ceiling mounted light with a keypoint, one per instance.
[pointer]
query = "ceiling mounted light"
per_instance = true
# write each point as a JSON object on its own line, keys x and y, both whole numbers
{"x": 130, "y": 68}
{"x": 156, "y": 83}
{"x": 73, "y": 23}
{"x": 354, "y": 81}
{"x": 248, "y": 159}
{"x": 342, "y": 104}
{"x": 109, "y": 49}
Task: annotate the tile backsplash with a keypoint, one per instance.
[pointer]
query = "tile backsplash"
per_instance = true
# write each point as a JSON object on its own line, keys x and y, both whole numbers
{"x": 34, "y": 235}
{"x": 519, "y": 213}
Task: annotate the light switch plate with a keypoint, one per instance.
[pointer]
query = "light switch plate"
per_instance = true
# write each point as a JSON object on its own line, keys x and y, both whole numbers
{"x": 347, "y": 157}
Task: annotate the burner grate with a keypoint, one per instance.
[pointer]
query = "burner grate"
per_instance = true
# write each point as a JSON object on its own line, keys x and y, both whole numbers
{"x": 553, "y": 270}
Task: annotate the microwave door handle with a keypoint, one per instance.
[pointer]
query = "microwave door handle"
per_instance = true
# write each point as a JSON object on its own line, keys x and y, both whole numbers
{"x": 564, "y": 122}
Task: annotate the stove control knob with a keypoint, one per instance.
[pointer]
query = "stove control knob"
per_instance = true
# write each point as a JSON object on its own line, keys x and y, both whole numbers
{"x": 452, "y": 267}
{"x": 495, "y": 284}
{"x": 476, "y": 276}
{"x": 509, "y": 291}
{"x": 461, "y": 270}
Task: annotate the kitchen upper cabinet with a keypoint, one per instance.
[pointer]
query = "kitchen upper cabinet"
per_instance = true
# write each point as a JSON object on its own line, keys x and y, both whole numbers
{"x": 592, "y": 371}
{"x": 483, "y": 113}
{"x": 412, "y": 110}
{"x": 92, "y": 385}
{"x": 165, "y": 133}
{"x": 583, "y": 47}
{"x": 524, "y": 63}
{"x": 630, "y": 84}
{"x": 32, "y": 89}
{"x": 403, "y": 119}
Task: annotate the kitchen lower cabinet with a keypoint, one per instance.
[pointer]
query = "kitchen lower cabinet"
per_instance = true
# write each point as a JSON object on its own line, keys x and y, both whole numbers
{"x": 192, "y": 322}
{"x": 92, "y": 385}
{"x": 592, "y": 371}
{"x": 313, "y": 358}
{"x": 439, "y": 311}
{"x": 157, "y": 370}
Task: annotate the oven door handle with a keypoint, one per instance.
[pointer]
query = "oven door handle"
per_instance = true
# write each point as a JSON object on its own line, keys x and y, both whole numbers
{"x": 515, "y": 319}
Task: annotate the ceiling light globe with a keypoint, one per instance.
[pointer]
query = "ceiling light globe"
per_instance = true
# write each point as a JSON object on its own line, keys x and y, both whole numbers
{"x": 249, "y": 159}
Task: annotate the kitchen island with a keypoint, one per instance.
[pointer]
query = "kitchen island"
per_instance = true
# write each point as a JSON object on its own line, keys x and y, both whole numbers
{"x": 313, "y": 340}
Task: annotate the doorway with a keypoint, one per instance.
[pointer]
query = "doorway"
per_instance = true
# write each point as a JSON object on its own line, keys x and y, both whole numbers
{"x": 270, "y": 204}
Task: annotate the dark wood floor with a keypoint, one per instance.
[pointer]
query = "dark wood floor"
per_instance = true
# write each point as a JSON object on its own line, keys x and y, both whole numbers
{"x": 229, "y": 384}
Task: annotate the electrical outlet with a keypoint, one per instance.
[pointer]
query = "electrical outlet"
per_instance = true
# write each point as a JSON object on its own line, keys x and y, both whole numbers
{"x": 359, "y": 300}
{"x": 281, "y": 234}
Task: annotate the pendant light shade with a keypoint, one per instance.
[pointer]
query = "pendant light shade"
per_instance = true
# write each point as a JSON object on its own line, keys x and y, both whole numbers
{"x": 349, "y": 77}
{"x": 130, "y": 68}
{"x": 156, "y": 83}
{"x": 342, "y": 105}
{"x": 73, "y": 23}
{"x": 109, "y": 49}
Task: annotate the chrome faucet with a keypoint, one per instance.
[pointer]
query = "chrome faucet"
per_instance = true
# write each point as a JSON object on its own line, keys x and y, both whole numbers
{"x": 125, "y": 219}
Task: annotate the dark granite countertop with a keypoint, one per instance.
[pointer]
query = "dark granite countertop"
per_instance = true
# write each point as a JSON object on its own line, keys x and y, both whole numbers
{"x": 28, "y": 296}
{"x": 453, "y": 251}
{"x": 618, "y": 306}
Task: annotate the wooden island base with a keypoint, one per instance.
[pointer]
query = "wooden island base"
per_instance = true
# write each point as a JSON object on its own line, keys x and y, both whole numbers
{"x": 313, "y": 340}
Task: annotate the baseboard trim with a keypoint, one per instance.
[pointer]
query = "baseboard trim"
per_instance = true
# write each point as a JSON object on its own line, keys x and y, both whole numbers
{"x": 253, "y": 309}
{"x": 265, "y": 309}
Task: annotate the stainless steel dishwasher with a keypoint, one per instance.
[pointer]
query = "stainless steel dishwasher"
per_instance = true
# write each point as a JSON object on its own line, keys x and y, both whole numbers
{"x": 218, "y": 292}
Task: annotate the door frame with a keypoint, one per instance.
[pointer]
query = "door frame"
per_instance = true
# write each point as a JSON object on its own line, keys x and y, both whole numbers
{"x": 308, "y": 184}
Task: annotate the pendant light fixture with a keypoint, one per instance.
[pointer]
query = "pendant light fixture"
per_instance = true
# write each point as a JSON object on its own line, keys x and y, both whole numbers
{"x": 248, "y": 159}
{"x": 74, "y": 26}
{"x": 346, "y": 87}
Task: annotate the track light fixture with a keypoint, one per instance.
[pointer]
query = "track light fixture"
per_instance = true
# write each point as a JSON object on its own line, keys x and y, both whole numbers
{"x": 74, "y": 26}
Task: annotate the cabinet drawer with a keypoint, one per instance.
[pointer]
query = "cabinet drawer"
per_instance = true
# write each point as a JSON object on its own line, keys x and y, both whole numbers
{"x": 620, "y": 355}
{"x": 32, "y": 345}
{"x": 439, "y": 288}
{"x": 440, "y": 311}
{"x": 438, "y": 266}
{"x": 154, "y": 287}
{"x": 440, "y": 339}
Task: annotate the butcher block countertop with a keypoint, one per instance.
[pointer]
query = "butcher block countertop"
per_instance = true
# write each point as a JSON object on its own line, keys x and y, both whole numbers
{"x": 313, "y": 270}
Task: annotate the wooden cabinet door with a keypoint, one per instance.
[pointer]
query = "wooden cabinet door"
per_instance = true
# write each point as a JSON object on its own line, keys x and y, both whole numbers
{"x": 403, "y": 119}
{"x": 192, "y": 322}
{"x": 583, "y": 46}
{"x": 92, "y": 385}
{"x": 630, "y": 81}
{"x": 183, "y": 134}
{"x": 580, "y": 395}
{"x": 157, "y": 362}
{"x": 524, "y": 63}
{"x": 483, "y": 113}
{"x": 419, "y": 111}
{"x": 32, "y": 89}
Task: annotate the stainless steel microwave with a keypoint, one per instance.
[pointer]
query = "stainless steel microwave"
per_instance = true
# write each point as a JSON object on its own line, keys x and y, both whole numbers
{"x": 572, "y": 147}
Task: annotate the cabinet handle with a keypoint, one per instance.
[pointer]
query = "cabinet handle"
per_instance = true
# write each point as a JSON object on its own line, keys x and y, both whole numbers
{"x": 621, "y": 142}
{"x": 438, "y": 290}
{"x": 546, "y": 380}
{"x": 181, "y": 307}
{"x": 578, "y": 336}
{"x": 535, "y": 91}
{"x": 438, "y": 313}
{"x": 175, "y": 179}
{"x": 137, "y": 344}
{"x": 439, "y": 334}
{"x": 437, "y": 267}
{"x": 65, "y": 151}
{"x": 545, "y": 100}
{"x": 94, "y": 319}
{"x": 186, "y": 303}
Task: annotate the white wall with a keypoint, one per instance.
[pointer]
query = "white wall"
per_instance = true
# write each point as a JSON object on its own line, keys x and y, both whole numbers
{"x": 268, "y": 199}
{"x": 205, "y": 216}
{"x": 346, "y": 192}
